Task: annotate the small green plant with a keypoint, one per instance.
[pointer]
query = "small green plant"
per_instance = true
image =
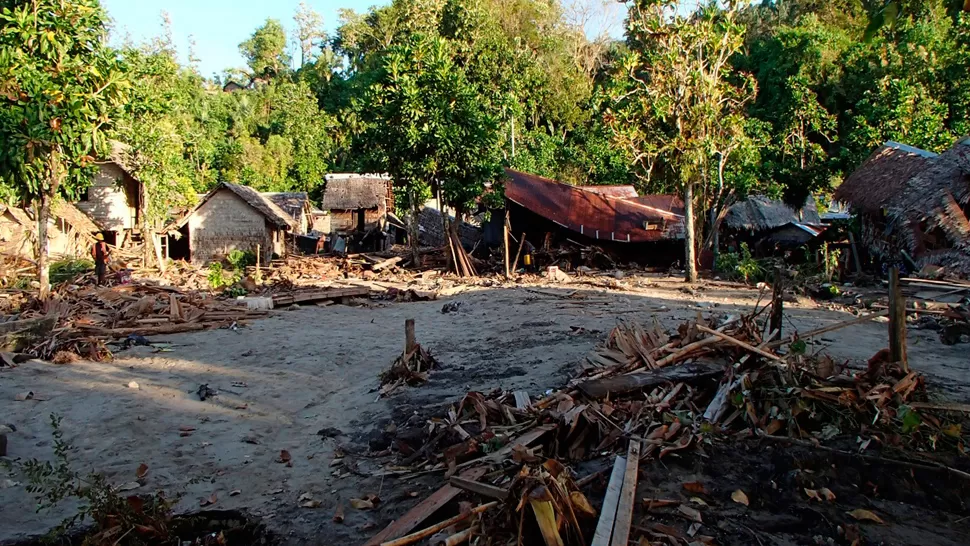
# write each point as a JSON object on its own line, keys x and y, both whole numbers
{"x": 68, "y": 269}
{"x": 739, "y": 266}
{"x": 117, "y": 519}
{"x": 240, "y": 260}
{"x": 235, "y": 291}
{"x": 218, "y": 278}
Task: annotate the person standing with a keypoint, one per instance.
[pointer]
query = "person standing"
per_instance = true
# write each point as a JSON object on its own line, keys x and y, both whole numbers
{"x": 100, "y": 253}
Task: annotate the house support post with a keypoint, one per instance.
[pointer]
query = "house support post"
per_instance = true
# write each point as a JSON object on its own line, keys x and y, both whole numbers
{"x": 897, "y": 321}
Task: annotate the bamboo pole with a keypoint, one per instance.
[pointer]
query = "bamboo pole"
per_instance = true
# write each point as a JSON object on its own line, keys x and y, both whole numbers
{"x": 424, "y": 533}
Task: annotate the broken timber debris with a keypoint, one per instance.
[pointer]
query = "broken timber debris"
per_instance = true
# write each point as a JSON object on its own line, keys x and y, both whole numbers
{"x": 411, "y": 368}
{"x": 649, "y": 390}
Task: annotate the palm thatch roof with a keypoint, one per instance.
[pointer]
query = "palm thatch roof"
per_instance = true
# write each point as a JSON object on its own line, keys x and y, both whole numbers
{"x": 354, "y": 191}
{"x": 883, "y": 175}
{"x": 937, "y": 197}
{"x": 758, "y": 213}
{"x": 81, "y": 222}
{"x": 262, "y": 204}
{"x": 293, "y": 203}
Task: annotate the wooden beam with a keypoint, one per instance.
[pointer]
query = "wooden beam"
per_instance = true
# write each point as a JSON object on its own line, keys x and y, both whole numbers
{"x": 624, "y": 511}
{"x": 424, "y": 533}
{"x": 604, "y": 528}
{"x": 505, "y": 245}
{"x": 483, "y": 489}
{"x": 897, "y": 321}
{"x": 739, "y": 343}
{"x": 423, "y": 509}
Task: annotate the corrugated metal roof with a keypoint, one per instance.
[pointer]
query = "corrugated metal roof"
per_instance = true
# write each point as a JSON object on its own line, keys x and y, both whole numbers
{"x": 622, "y": 192}
{"x": 590, "y": 213}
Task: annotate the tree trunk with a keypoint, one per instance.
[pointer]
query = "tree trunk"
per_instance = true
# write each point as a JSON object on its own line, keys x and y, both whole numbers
{"x": 689, "y": 244}
{"x": 413, "y": 232}
{"x": 43, "y": 264}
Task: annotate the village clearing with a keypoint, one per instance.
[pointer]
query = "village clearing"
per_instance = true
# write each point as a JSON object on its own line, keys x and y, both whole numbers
{"x": 296, "y": 427}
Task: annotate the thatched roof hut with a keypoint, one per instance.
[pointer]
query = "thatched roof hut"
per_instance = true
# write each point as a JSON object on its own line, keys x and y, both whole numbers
{"x": 882, "y": 177}
{"x": 936, "y": 200}
{"x": 296, "y": 204}
{"x": 758, "y": 213}
{"x": 355, "y": 191}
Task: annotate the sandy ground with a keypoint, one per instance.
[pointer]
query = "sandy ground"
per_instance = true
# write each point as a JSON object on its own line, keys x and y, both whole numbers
{"x": 284, "y": 379}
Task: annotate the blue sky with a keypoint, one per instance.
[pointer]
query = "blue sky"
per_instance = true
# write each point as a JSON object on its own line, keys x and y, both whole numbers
{"x": 218, "y": 26}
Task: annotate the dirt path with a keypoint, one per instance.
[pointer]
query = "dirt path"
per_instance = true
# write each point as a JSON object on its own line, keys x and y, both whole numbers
{"x": 284, "y": 379}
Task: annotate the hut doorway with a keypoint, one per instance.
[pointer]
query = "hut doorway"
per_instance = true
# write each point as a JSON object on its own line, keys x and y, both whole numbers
{"x": 178, "y": 245}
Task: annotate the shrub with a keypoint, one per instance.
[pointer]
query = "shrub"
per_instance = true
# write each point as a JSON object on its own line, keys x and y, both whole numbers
{"x": 739, "y": 266}
{"x": 240, "y": 260}
{"x": 218, "y": 277}
{"x": 68, "y": 269}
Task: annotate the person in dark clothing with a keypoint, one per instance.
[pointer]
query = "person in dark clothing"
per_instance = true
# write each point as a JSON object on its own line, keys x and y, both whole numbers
{"x": 100, "y": 253}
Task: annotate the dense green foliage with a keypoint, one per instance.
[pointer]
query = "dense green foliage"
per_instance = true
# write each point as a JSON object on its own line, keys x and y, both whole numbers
{"x": 442, "y": 93}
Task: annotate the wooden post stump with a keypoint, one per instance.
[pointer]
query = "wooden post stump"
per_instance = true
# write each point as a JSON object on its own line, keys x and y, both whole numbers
{"x": 897, "y": 321}
{"x": 409, "y": 341}
{"x": 777, "y": 306}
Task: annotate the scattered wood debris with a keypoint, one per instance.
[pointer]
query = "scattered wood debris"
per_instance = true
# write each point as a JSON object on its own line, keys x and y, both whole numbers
{"x": 411, "y": 368}
{"x": 654, "y": 394}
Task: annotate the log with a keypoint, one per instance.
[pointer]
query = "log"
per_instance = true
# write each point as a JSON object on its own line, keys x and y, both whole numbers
{"x": 604, "y": 527}
{"x": 176, "y": 328}
{"x": 424, "y": 533}
{"x": 619, "y": 384}
{"x": 897, "y": 321}
{"x": 423, "y": 510}
{"x": 624, "y": 511}
{"x": 739, "y": 343}
{"x": 505, "y": 245}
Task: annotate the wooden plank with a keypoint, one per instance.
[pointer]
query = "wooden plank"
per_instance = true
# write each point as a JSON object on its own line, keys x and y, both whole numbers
{"x": 604, "y": 527}
{"x": 624, "y": 510}
{"x": 423, "y": 509}
{"x": 483, "y": 489}
{"x": 620, "y": 384}
{"x": 522, "y": 401}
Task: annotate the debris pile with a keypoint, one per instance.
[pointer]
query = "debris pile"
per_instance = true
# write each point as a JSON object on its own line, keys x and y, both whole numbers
{"x": 411, "y": 368}
{"x": 81, "y": 319}
{"x": 654, "y": 394}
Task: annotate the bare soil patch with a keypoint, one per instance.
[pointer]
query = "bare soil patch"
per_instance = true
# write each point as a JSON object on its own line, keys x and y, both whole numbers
{"x": 307, "y": 381}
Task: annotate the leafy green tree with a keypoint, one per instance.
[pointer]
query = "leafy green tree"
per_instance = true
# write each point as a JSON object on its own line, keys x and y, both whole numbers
{"x": 679, "y": 102}
{"x": 433, "y": 134}
{"x": 265, "y": 50}
{"x": 60, "y": 87}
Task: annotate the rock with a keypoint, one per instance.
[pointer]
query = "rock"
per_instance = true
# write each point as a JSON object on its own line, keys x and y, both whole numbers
{"x": 618, "y": 274}
{"x": 7, "y": 429}
{"x": 133, "y": 385}
{"x": 329, "y": 432}
{"x": 584, "y": 270}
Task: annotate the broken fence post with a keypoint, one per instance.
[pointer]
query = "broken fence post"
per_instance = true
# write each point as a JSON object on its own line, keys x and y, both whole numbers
{"x": 777, "y": 311}
{"x": 409, "y": 341}
{"x": 897, "y": 321}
